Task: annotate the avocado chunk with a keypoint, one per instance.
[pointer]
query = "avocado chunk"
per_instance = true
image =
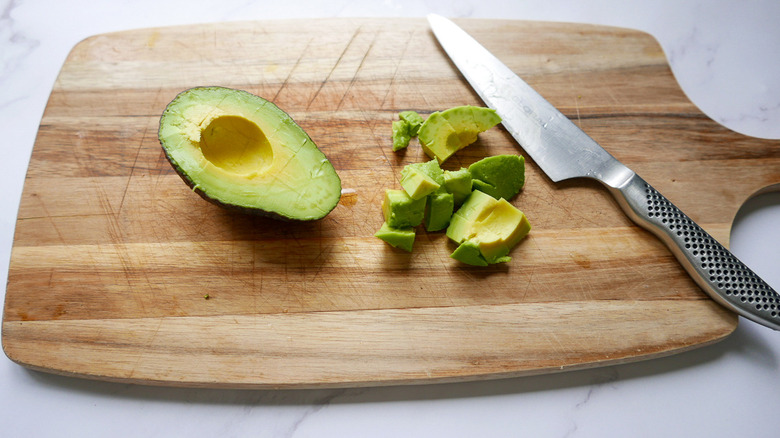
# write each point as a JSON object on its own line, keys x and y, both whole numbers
{"x": 417, "y": 183}
{"x": 242, "y": 152}
{"x": 421, "y": 179}
{"x": 493, "y": 226}
{"x": 405, "y": 128}
{"x": 500, "y": 231}
{"x": 500, "y": 176}
{"x": 444, "y": 133}
{"x": 459, "y": 183}
{"x": 438, "y": 210}
{"x": 477, "y": 206}
{"x": 414, "y": 120}
{"x": 468, "y": 252}
{"x": 402, "y": 238}
{"x": 401, "y": 211}
{"x": 438, "y": 138}
{"x": 401, "y": 134}
{"x": 430, "y": 168}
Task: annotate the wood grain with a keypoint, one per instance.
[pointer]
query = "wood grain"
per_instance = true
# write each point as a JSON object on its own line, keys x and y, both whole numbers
{"x": 119, "y": 272}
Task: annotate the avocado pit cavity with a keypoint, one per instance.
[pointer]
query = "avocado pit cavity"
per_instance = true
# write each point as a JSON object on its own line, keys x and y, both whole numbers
{"x": 236, "y": 145}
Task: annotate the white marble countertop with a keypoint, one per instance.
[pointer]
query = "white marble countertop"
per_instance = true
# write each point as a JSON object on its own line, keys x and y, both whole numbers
{"x": 725, "y": 56}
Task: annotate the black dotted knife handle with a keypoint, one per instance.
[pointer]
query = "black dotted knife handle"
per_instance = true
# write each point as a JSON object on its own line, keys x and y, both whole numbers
{"x": 719, "y": 273}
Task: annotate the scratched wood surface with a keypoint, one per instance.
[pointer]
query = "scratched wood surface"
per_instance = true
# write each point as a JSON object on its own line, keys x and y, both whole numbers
{"x": 119, "y": 272}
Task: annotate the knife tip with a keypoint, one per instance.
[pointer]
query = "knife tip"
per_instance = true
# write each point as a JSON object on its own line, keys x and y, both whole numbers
{"x": 434, "y": 17}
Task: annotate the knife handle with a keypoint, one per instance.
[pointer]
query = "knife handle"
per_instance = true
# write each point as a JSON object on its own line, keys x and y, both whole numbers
{"x": 714, "y": 268}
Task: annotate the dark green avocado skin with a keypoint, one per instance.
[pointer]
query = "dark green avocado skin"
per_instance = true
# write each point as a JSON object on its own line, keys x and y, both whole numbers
{"x": 229, "y": 207}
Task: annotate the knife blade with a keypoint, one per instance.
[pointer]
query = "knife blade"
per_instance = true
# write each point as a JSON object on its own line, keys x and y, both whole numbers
{"x": 563, "y": 151}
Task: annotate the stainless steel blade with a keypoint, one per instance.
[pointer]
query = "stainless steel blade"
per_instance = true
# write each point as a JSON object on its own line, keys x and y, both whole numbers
{"x": 564, "y": 151}
{"x": 556, "y": 144}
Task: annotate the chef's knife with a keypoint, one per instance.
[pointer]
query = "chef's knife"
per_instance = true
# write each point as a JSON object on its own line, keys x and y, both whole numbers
{"x": 562, "y": 150}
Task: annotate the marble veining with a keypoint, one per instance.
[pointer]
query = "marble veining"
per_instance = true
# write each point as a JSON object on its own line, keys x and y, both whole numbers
{"x": 16, "y": 48}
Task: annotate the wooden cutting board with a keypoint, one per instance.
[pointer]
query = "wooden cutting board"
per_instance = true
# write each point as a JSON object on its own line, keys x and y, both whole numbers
{"x": 120, "y": 272}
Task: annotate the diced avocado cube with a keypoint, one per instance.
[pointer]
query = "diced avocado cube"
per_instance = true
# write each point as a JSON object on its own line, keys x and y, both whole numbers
{"x": 483, "y": 118}
{"x": 438, "y": 210}
{"x": 401, "y": 211}
{"x": 443, "y": 134}
{"x": 413, "y": 119}
{"x": 500, "y": 231}
{"x": 490, "y": 245}
{"x": 468, "y": 252}
{"x": 438, "y": 138}
{"x": 492, "y": 226}
{"x": 430, "y": 168}
{"x": 509, "y": 223}
{"x": 500, "y": 176}
{"x": 458, "y": 228}
{"x": 458, "y": 182}
{"x": 402, "y": 238}
{"x": 421, "y": 179}
{"x": 477, "y": 206}
{"x": 417, "y": 184}
{"x": 401, "y": 134}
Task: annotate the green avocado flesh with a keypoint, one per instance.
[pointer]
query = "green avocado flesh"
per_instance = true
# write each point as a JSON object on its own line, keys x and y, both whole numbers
{"x": 413, "y": 119}
{"x": 402, "y": 238}
{"x": 500, "y": 176}
{"x": 459, "y": 183}
{"x": 401, "y": 211}
{"x": 421, "y": 179}
{"x": 405, "y": 128}
{"x": 444, "y": 133}
{"x": 486, "y": 229}
{"x": 242, "y": 152}
{"x": 468, "y": 252}
{"x": 401, "y": 134}
{"x": 485, "y": 226}
{"x": 438, "y": 210}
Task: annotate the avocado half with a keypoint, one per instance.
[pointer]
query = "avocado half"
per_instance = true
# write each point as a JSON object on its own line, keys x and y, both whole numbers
{"x": 242, "y": 152}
